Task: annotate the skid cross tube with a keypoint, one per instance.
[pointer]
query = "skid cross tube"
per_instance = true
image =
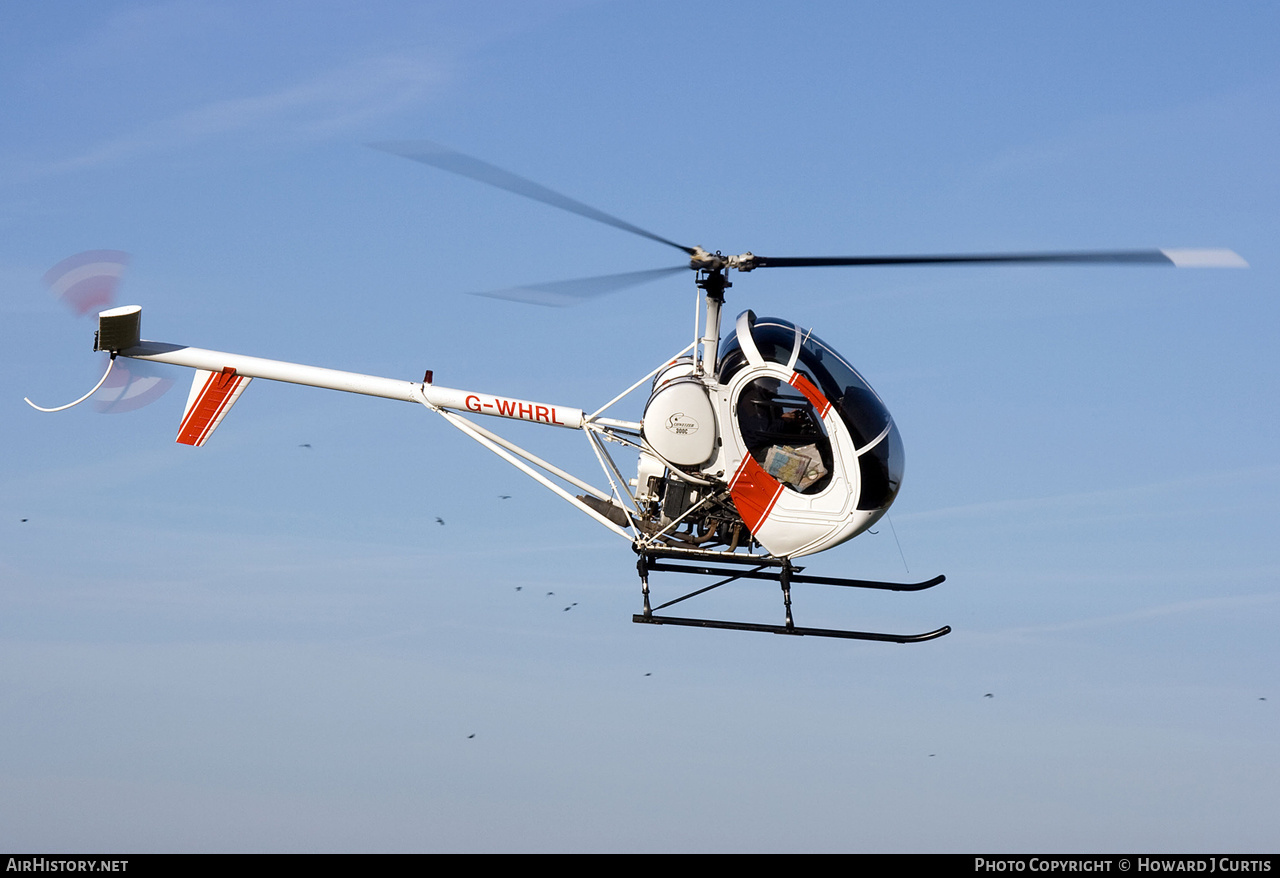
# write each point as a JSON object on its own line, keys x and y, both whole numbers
{"x": 694, "y": 594}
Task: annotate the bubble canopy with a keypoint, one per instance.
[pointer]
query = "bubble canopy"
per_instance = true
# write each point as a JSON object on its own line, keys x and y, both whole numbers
{"x": 875, "y": 437}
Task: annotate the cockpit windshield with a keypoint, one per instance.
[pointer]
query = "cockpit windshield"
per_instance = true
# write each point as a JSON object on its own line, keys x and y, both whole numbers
{"x": 859, "y": 406}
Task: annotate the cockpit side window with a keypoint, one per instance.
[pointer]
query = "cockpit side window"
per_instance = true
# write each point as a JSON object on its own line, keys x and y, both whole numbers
{"x": 784, "y": 434}
{"x": 731, "y": 359}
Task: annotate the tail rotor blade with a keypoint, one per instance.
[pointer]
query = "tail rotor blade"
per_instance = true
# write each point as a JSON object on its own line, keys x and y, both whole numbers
{"x": 132, "y": 385}
{"x": 87, "y": 281}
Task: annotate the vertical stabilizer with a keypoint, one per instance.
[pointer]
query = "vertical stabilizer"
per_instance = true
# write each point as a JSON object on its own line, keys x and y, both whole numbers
{"x": 212, "y": 396}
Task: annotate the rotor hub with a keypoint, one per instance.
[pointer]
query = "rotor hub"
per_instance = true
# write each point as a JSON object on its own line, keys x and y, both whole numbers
{"x": 701, "y": 260}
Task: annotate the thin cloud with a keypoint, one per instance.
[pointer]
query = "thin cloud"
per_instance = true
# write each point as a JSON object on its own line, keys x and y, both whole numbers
{"x": 1245, "y": 115}
{"x": 1237, "y": 604}
{"x": 1204, "y": 484}
{"x": 335, "y": 101}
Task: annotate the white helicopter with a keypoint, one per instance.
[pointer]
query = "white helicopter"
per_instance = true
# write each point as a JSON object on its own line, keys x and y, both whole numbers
{"x": 753, "y": 450}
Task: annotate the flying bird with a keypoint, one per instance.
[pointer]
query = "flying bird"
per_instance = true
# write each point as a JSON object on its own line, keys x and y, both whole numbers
{"x": 439, "y": 520}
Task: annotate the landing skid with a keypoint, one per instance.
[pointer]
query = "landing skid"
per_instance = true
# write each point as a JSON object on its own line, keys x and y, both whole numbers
{"x": 778, "y": 570}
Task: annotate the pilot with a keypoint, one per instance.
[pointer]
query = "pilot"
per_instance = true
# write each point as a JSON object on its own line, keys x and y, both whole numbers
{"x": 781, "y": 432}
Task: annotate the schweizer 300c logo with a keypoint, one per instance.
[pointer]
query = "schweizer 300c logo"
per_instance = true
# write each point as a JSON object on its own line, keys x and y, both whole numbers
{"x": 681, "y": 424}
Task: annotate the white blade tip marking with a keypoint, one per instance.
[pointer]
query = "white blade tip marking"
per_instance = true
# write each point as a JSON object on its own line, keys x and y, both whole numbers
{"x": 1205, "y": 259}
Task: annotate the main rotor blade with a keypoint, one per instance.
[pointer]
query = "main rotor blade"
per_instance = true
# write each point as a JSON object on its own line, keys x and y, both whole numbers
{"x": 446, "y": 159}
{"x": 1176, "y": 258}
{"x": 559, "y": 294}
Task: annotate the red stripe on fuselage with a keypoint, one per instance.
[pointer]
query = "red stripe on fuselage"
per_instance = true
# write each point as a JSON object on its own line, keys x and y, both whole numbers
{"x": 811, "y": 393}
{"x": 754, "y": 492}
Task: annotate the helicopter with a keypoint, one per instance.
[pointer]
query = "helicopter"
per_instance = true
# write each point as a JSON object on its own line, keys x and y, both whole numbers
{"x": 753, "y": 450}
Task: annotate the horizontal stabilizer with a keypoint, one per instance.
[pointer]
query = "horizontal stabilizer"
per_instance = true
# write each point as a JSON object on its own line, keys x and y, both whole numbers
{"x": 212, "y": 396}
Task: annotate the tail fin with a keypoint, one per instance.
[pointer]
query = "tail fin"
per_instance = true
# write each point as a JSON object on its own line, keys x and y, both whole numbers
{"x": 212, "y": 396}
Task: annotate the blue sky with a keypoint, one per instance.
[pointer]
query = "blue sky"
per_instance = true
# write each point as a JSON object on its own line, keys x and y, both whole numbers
{"x": 257, "y": 646}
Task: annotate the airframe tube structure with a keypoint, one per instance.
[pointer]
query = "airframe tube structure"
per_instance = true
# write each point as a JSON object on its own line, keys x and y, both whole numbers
{"x": 443, "y": 400}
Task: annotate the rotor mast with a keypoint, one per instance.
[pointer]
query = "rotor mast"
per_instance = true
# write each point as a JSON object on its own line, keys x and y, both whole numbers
{"x": 714, "y": 283}
{"x": 713, "y": 279}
